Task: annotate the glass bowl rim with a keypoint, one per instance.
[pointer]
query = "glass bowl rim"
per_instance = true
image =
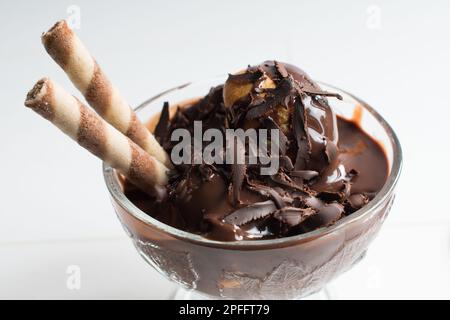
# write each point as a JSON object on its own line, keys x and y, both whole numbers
{"x": 114, "y": 189}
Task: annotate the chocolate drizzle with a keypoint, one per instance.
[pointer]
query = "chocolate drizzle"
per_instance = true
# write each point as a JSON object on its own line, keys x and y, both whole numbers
{"x": 319, "y": 180}
{"x": 299, "y": 123}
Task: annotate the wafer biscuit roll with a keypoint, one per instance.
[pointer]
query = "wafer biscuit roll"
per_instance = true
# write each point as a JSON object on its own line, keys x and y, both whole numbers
{"x": 69, "y": 52}
{"x": 83, "y": 125}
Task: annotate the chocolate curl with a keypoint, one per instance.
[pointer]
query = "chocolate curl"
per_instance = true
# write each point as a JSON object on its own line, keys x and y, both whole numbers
{"x": 52, "y": 102}
{"x": 63, "y": 45}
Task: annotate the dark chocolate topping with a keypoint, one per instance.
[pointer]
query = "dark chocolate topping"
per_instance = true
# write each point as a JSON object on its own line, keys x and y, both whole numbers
{"x": 329, "y": 167}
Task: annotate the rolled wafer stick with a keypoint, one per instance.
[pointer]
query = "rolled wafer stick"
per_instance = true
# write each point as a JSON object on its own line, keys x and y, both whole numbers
{"x": 63, "y": 45}
{"x": 83, "y": 125}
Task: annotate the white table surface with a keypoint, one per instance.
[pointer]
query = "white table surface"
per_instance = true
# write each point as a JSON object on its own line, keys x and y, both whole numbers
{"x": 55, "y": 212}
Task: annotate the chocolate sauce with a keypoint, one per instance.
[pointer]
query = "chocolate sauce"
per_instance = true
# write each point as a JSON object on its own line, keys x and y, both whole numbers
{"x": 329, "y": 167}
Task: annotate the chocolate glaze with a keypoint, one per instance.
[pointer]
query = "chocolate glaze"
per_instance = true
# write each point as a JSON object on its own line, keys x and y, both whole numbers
{"x": 329, "y": 167}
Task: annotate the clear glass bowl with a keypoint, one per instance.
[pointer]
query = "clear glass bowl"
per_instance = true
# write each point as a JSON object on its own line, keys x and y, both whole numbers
{"x": 285, "y": 268}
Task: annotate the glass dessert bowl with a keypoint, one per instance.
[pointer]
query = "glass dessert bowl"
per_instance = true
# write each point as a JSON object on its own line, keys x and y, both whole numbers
{"x": 283, "y": 268}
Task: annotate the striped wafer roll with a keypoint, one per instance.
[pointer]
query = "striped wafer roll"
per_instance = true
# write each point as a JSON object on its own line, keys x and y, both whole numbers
{"x": 69, "y": 52}
{"x": 84, "y": 126}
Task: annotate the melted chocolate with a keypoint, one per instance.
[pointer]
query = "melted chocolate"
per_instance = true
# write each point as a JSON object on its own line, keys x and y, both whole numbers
{"x": 329, "y": 167}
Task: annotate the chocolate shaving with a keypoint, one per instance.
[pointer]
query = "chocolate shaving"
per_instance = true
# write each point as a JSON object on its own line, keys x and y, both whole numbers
{"x": 330, "y": 196}
{"x": 260, "y": 109}
{"x": 252, "y": 212}
{"x": 249, "y": 77}
{"x": 283, "y": 141}
{"x": 283, "y": 179}
{"x": 293, "y": 216}
{"x": 313, "y": 92}
{"x": 326, "y": 215}
{"x": 276, "y": 97}
{"x": 268, "y": 192}
{"x": 333, "y": 210}
{"x": 238, "y": 170}
{"x": 304, "y": 174}
{"x": 340, "y": 194}
{"x": 357, "y": 201}
{"x": 162, "y": 127}
{"x": 286, "y": 163}
{"x": 281, "y": 69}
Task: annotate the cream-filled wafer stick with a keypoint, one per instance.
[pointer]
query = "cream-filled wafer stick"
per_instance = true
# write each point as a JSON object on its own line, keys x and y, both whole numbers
{"x": 69, "y": 52}
{"x": 84, "y": 126}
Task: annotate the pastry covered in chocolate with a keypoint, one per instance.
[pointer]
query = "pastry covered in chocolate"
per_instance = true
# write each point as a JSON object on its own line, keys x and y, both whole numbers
{"x": 328, "y": 166}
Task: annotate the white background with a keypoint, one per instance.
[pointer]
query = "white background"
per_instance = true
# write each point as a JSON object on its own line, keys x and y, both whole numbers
{"x": 55, "y": 211}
